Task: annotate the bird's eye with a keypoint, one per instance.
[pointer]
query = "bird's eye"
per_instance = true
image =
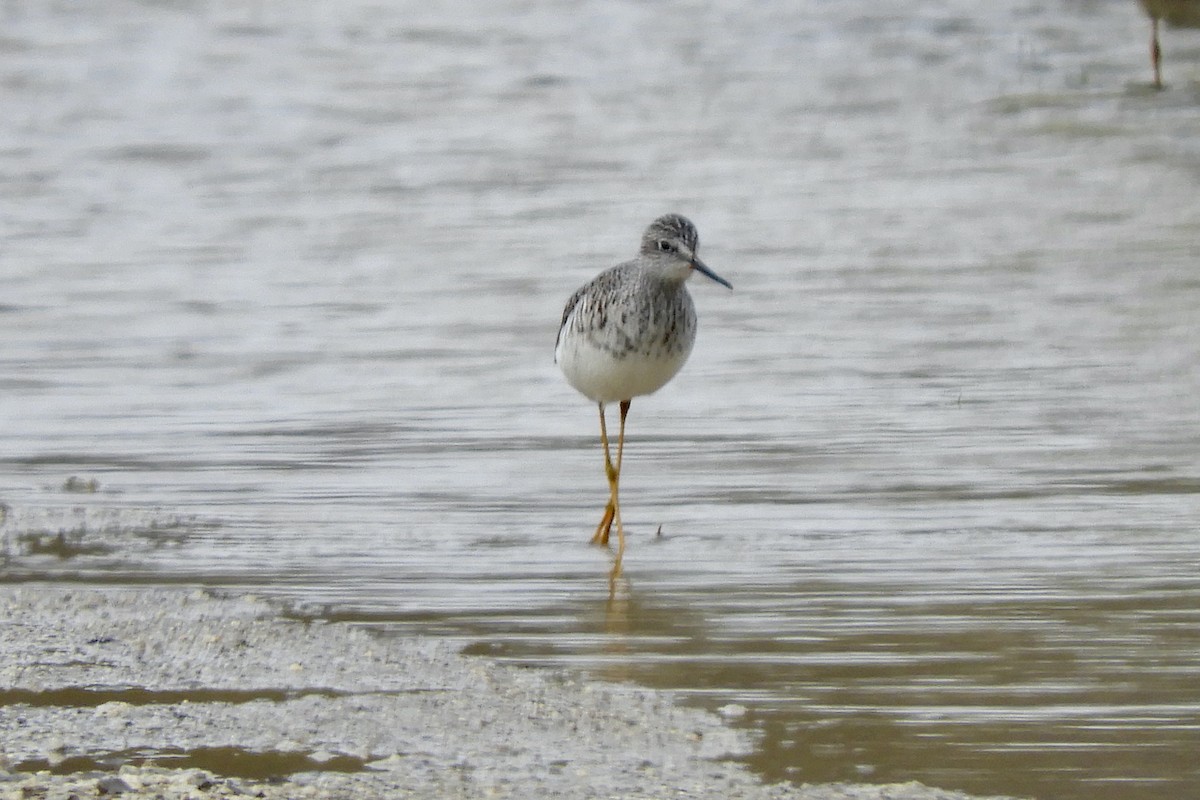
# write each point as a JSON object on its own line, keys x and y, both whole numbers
{"x": 665, "y": 246}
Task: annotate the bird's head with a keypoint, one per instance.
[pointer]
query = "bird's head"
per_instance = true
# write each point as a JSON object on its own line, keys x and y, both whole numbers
{"x": 670, "y": 243}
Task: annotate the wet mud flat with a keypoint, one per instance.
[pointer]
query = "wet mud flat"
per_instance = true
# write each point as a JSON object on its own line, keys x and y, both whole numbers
{"x": 176, "y": 692}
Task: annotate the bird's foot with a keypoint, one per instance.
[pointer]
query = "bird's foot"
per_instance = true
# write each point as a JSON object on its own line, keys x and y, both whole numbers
{"x": 605, "y": 526}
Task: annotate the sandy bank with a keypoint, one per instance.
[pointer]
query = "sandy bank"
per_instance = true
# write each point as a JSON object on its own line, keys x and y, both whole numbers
{"x": 229, "y": 699}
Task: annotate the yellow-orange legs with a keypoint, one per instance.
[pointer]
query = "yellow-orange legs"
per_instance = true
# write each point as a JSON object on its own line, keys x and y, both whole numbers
{"x": 612, "y": 511}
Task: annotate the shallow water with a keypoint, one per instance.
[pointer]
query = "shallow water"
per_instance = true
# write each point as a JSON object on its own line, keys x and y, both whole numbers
{"x": 283, "y": 281}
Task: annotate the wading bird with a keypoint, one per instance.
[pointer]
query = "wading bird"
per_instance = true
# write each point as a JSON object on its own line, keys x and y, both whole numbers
{"x": 627, "y": 332}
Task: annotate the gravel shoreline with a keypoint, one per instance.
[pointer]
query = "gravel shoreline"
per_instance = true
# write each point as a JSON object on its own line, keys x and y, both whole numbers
{"x": 176, "y": 693}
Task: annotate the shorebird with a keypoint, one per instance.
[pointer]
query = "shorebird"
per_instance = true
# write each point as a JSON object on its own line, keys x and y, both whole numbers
{"x": 627, "y": 332}
{"x": 1177, "y": 14}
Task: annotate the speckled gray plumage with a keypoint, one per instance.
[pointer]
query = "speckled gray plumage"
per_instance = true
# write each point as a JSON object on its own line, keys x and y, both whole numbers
{"x": 630, "y": 329}
{"x": 625, "y": 311}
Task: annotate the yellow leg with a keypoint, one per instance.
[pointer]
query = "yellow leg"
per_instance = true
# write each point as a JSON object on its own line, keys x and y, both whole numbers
{"x": 616, "y": 568}
{"x": 602, "y": 530}
{"x": 612, "y": 511}
{"x": 616, "y": 482}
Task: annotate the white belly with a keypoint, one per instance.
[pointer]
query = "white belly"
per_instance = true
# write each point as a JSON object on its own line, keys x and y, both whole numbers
{"x": 603, "y": 377}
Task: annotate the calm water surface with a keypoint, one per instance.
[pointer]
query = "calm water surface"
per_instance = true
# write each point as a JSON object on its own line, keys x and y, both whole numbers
{"x": 283, "y": 281}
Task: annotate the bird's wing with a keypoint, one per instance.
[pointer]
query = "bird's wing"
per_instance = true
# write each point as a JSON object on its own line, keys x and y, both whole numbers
{"x": 574, "y": 301}
{"x": 602, "y": 290}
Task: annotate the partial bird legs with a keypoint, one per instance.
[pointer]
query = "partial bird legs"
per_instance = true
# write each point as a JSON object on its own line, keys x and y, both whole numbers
{"x": 612, "y": 511}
